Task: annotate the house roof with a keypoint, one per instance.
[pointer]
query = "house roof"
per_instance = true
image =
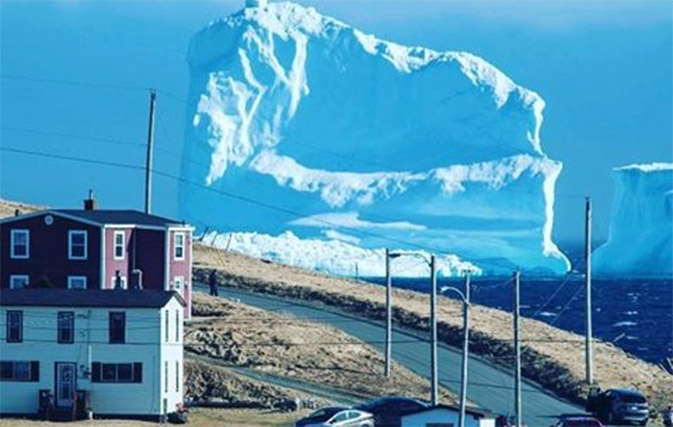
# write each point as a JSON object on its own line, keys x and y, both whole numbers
{"x": 134, "y": 298}
{"x": 472, "y": 411}
{"x": 119, "y": 216}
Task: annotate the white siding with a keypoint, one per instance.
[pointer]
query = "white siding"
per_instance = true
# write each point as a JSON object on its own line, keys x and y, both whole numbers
{"x": 144, "y": 343}
{"x": 443, "y": 416}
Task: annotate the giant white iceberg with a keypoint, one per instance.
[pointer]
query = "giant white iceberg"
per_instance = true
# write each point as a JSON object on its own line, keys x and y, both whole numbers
{"x": 298, "y": 122}
{"x": 640, "y": 243}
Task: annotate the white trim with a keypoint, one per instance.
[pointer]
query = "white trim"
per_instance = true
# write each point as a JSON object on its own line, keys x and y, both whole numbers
{"x": 175, "y": 245}
{"x": 114, "y": 244}
{"x": 18, "y": 276}
{"x": 86, "y": 244}
{"x": 102, "y": 258}
{"x": 167, "y": 256}
{"x": 144, "y": 227}
{"x": 14, "y": 232}
{"x": 71, "y": 278}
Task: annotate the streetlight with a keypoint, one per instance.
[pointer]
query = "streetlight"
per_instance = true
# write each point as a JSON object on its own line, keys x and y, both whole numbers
{"x": 465, "y": 298}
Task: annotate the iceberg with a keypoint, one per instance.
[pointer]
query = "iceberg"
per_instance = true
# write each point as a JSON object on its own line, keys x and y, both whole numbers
{"x": 640, "y": 243}
{"x": 304, "y": 130}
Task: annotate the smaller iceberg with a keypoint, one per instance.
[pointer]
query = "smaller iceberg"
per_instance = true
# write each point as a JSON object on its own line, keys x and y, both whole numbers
{"x": 640, "y": 243}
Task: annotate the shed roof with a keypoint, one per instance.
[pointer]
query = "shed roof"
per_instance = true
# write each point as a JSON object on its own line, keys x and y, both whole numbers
{"x": 119, "y": 216}
{"x": 472, "y": 411}
{"x": 119, "y": 298}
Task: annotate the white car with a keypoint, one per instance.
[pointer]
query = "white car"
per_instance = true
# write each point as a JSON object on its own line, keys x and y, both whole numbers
{"x": 337, "y": 416}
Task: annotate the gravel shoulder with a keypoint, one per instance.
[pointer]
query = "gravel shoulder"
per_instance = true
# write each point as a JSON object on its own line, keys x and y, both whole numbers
{"x": 551, "y": 357}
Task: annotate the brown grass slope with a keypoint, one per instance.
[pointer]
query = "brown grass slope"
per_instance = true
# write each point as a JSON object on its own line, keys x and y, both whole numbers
{"x": 243, "y": 336}
{"x": 552, "y": 357}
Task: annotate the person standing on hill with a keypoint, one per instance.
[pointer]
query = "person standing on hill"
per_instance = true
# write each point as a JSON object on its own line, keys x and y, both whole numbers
{"x": 212, "y": 280}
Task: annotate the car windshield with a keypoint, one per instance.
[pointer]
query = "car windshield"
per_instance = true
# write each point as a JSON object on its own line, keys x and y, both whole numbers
{"x": 632, "y": 398}
{"x": 324, "y": 413}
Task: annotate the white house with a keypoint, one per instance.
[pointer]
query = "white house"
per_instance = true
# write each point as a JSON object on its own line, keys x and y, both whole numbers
{"x": 447, "y": 416}
{"x": 122, "y": 347}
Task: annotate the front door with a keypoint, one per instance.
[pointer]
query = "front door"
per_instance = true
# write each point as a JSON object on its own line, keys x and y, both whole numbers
{"x": 66, "y": 377}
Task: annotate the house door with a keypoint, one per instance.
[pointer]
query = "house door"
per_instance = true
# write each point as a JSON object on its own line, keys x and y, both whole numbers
{"x": 66, "y": 377}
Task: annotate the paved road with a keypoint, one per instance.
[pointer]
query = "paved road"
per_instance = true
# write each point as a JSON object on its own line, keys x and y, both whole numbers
{"x": 488, "y": 386}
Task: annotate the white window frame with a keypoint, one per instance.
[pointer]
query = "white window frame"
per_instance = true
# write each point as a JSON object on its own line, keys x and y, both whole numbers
{"x": 72, "y": 278}
{"x": 175, "y": 245}
{"x": 18, "y": 276}
{"x": 12, "y": 241}
{"x": 176, "y": 280}
{"x": 123, "y": 244}
{"x": 71, "y": 233}
{"x": 124, "y": 283}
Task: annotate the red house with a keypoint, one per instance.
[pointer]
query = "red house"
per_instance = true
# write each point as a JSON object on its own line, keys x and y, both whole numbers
{"x": 96, "y": 249}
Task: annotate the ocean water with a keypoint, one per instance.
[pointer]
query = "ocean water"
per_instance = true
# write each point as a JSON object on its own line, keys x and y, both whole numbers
{"x": 636, "y": 315}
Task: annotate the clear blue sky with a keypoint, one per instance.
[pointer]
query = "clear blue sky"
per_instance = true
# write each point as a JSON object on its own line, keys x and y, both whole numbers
{"x": 604, "y": 68}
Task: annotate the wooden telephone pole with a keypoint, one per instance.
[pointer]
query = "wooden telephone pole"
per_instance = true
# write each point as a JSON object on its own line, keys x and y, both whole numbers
{"x": 148, "y": 159}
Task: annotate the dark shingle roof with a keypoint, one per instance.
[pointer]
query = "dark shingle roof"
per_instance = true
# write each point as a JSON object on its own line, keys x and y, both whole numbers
{"x": 114, "y": 216}
{"x": 87, "y": 298}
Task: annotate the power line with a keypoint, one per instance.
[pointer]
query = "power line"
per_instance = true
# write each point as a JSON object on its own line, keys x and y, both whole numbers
{"x": 73, "y": 83}
{"x": 74, "y": 137}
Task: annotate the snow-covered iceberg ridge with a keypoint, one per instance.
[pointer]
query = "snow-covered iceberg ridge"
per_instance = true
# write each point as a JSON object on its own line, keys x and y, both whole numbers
{"x": 640, "y": 243}
{"x": 299, "y": 122}
{"x": 335, "y": 256}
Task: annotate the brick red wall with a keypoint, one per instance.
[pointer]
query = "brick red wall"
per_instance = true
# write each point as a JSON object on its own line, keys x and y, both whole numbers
{"x": 49, "y": 252}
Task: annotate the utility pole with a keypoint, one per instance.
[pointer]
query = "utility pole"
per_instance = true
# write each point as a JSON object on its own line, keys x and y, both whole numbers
{"x": 148, "y": 159}
{"x": 517, "y": 349}
{"x": 589, "y": 357}
{"x": 433, "y": 331}
{"x": 466, "y": 349}
{"x": 389, "y": 314}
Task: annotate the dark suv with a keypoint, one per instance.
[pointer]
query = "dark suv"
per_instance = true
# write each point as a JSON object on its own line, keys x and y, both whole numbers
{"x": 619, "y": 406}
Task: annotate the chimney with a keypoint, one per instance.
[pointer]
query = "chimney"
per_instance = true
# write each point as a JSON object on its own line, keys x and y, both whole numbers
{"x": 90, "y": 204}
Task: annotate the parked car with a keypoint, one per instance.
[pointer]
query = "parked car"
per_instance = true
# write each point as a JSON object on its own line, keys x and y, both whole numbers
{"x": 337, "y": 416}
{"x": 579, "y": 421}
{"x": 619, "y": 406}
{"x": 388, "y": 411}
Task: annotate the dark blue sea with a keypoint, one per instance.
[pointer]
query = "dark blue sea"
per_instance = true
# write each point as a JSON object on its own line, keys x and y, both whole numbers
{"x": 636, "y": 315}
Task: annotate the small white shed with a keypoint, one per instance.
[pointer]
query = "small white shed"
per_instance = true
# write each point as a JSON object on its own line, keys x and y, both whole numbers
{"x": 447, "y": 416}
{"x": 121, "y": 349}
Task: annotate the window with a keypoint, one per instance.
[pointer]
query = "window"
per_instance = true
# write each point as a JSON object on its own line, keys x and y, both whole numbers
{"x": 76, "y": 282}
{"x": 177, "y": 325}
{"x": 166, "y": 326}
{"x": 18, "y": 281}
{"x": 119, "y": 243}
{"x": 116, "y": 372}
{"x": 14, "y": 326}
{"x": 165, "y": 377}
{"x": 66, "y": 327}
{"x": 179, "y": 246}
{"x": 177, "y": 376}
{"x": 77, "y": 243}
{"x": 20, "y": 371}
{"x": 178, "y": 282}
{"x": 117, "y": 327}
{"x": 20, "y": 244}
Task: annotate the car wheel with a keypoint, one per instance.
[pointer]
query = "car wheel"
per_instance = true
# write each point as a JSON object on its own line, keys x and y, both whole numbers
{"x": 643, "y": 422}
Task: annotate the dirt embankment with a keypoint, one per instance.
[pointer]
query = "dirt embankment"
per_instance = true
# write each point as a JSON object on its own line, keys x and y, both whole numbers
{"x": 551, "y": 357}
{"x": 208, "y": 384}
{"x": 242, "y": 336}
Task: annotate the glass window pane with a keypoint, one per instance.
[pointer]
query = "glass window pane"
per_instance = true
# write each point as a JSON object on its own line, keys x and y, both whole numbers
{"x": 21, "y": 371}
{"x": 125, "y": 372}
{"x": 6, "y": 370}
{"x": 109, "y": 372}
